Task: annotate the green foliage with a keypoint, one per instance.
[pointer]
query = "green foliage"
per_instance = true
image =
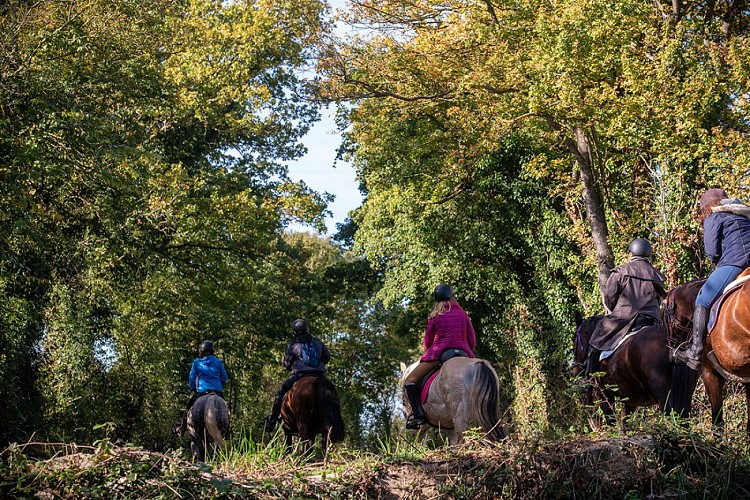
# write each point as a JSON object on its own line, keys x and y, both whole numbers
{"x": 471, "y": 125}
{"x": 142, "y": 202}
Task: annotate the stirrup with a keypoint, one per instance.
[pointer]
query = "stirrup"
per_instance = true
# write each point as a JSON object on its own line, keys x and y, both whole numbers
{"x": 415, "y": 423}
{"x": 681, "y": 356}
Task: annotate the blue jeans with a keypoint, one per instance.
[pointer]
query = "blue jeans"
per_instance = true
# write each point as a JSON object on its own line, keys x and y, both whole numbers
{"x": 715, "y": 284}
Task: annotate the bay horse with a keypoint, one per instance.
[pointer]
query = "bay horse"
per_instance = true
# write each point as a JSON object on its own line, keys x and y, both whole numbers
{"x": 465, "y": 393}
{"x": 638, "y": 373}
{"x": 726, "y": 354}
{"x": 208, "y": 424}
{"x": 312, "y": 407}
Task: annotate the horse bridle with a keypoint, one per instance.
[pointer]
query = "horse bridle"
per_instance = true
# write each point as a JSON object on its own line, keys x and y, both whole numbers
{"x": 578, "y": 342}
{"x": 672, "y": 325}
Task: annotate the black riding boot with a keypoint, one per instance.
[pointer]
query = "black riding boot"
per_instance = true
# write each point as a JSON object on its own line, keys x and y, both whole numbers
{"x": 592, "y": 363}
{"x": 692, "y": 355}
{"x": 417, "y": 418}
{"x": 271, "y": 419}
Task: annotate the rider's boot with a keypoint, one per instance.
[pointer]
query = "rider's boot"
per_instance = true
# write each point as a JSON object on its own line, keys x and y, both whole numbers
{"x": 182, "y": 426}
{"x": 270, "y": 422}
{"x": 417, "y": 418}
{"x": 592, "y": 366}
{"x": 692, "y": 355}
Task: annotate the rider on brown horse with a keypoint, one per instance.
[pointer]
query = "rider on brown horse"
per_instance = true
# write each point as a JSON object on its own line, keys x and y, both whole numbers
{"x": 448, "y": 327}
{"x": 726, "y": 240}
{"x": 632, "y": 294}
{"x": 304, "y": 355}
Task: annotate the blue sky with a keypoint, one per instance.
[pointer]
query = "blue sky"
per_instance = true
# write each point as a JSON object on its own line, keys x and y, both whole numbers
{"x": 317, "y": 169}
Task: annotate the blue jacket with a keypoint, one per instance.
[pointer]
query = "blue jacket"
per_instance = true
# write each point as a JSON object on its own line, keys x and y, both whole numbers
{"x": 726, "y": 234}
{"x": 207, "y": 374}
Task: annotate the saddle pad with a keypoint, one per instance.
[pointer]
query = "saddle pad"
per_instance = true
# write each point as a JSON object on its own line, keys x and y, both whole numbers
{"x": 605, "y": 354}
{"x": 426, "y": 386}
{"x": 732, "y": 287}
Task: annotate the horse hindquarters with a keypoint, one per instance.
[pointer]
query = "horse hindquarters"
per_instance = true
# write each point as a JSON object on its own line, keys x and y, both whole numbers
{"x": 484, "y": 400}
{"x": 329, "y": 410}
{"x": 208, "y": 423}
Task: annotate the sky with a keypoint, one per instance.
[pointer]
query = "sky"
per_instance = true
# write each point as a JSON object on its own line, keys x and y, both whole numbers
{"x": 317, "y": 169}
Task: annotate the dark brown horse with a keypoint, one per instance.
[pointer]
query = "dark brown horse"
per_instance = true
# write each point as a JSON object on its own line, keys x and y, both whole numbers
{"x": 311, "y": 407}
{"x": 726, "y": 355}
{"x": 638, "y": 373}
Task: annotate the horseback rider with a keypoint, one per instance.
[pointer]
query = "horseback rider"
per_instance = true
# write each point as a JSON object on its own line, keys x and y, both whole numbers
{"x": 632, "y": 295}
{"x": 448, "y": 327}
{"x": 304, "y": 355}
{"x": 207, "y": 374}
{"x": 726, "y": 240}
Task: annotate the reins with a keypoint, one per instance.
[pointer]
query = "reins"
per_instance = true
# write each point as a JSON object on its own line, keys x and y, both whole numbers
{"x": 672, "y": 325}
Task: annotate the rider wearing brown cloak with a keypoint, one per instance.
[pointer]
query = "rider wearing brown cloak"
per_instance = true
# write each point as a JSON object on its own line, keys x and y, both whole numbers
{"x": 632, "y": 294}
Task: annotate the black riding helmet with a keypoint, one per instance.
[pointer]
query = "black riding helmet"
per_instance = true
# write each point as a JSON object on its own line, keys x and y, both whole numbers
{"x": 299, "y": 326}
{"x": 205, "y": 348}
{"x": 640, "y": 247}
{"x": 443, "y": 292}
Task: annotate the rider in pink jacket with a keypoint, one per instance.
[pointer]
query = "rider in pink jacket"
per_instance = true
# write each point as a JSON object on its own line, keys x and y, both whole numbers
{"x": 448, "y": 327}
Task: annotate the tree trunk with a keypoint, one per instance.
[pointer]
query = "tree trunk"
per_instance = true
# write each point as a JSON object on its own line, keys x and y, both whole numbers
{"x": 580, "y": 148}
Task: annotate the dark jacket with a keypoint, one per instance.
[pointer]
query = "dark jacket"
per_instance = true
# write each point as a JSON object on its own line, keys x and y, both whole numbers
{"x": 293, "y": 356}
{"x": 632, "y": 289}
{"x": 726, "y": 234}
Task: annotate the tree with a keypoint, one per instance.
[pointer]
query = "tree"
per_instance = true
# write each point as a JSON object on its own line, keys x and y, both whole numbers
{"x": 142, "y": 195}
{"x": 638, "y": 98}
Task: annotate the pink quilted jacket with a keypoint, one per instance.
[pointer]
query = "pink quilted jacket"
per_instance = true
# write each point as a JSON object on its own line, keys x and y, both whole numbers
{"x": 450, "y": 330}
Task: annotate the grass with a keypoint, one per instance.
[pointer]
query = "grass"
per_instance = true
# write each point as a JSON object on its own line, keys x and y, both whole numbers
{"x": 656, "y": 456}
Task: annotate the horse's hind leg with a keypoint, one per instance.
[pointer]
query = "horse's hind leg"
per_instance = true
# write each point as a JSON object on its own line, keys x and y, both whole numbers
{"x": 288, "y": 439}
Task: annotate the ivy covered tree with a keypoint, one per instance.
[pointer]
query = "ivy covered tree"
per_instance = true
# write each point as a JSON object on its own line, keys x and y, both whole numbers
{"x": 623, "y": 112}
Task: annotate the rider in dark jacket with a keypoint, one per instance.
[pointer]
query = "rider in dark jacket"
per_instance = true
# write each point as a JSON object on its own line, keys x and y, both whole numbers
{"x": 632, "y": 294}
{"x": 726, "y": 240}
{"x": 294, "y": 361}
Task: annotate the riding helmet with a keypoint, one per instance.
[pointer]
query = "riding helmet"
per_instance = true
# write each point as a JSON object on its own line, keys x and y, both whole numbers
{"x": 443, "y": 292}
{"x": 640, "y": 247}
{"x": 206, "y": 348}
{"x": 299, "y": 326}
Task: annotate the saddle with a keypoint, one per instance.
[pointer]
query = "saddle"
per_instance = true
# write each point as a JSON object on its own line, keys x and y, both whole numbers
{"x": 427, "y": 380}
{"x": 209, "y": 393}
{"x": 639, "y": 324}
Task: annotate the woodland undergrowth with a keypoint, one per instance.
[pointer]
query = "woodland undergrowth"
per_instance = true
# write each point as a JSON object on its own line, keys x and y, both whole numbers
{"x": 652, "y": 460}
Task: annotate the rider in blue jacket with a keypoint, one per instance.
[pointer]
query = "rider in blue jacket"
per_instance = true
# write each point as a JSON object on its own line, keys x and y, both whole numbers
{"x": 726, "y": 240}
{"x": 207, "y": 375}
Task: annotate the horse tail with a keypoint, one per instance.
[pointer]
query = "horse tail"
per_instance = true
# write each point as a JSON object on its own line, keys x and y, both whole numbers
{"x": 484, "y": 399}
{"x": 683, "y": 386}
{"x": 327, "y": 401}
{"x": 216, "y": 419}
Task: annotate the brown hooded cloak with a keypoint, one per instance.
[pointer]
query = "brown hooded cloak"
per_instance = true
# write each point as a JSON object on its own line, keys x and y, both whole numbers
{"x": 632, "y": 289}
